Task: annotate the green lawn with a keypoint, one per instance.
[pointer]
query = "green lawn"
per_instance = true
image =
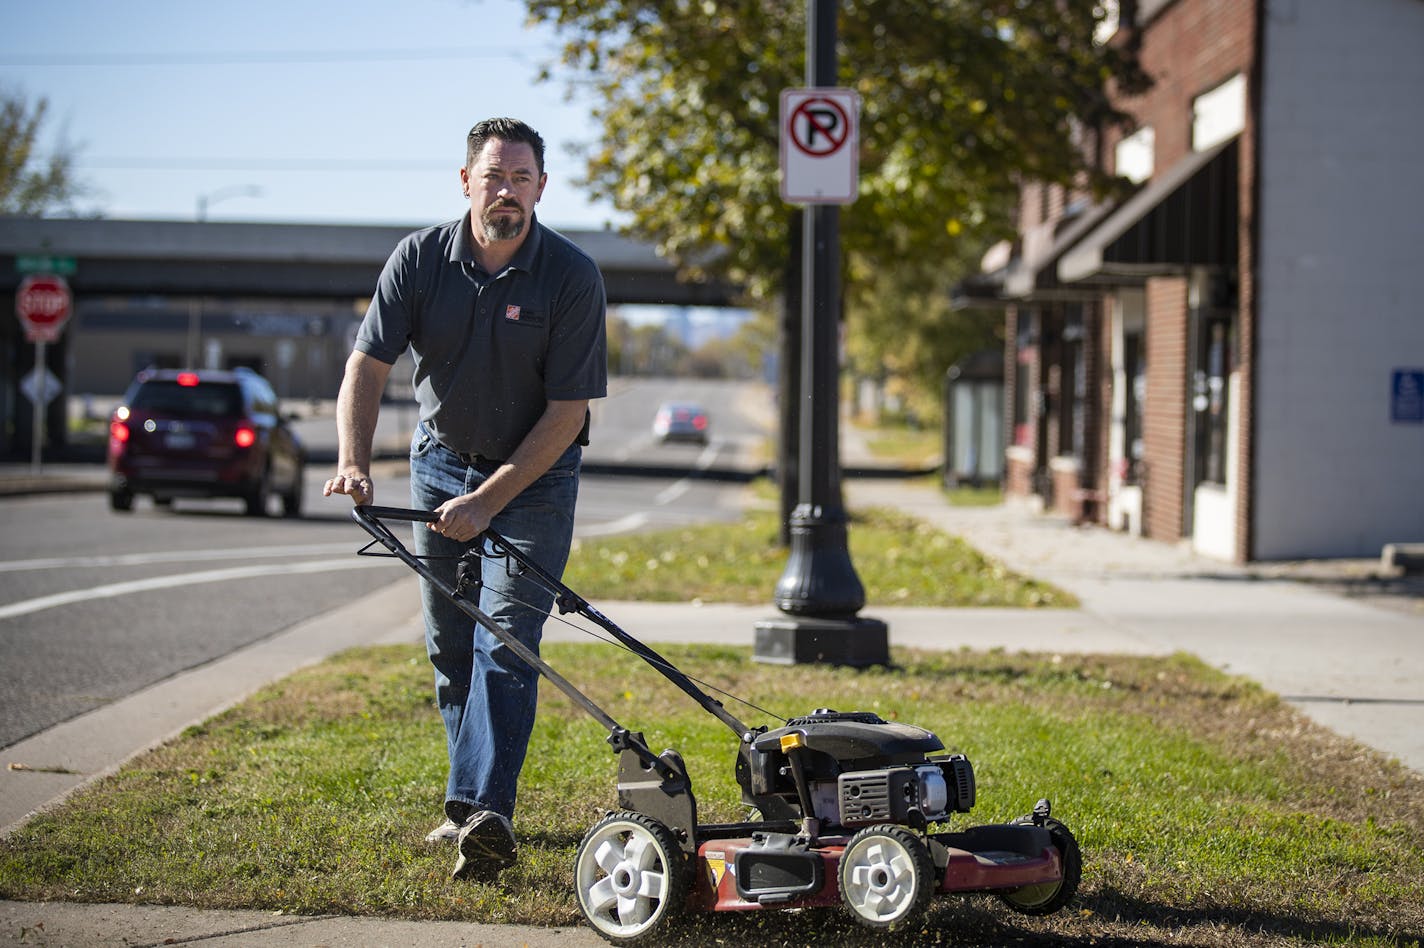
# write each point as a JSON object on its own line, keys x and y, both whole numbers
{"x": 1209, "y": 812}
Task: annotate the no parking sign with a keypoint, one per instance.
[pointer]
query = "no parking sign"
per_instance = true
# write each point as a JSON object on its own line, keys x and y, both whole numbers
{"x": 820, "y": 145}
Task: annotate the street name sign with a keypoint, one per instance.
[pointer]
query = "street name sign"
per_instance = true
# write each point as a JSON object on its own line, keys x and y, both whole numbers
{"x": 820, "y": 145}
{"x": 42, "y": 263}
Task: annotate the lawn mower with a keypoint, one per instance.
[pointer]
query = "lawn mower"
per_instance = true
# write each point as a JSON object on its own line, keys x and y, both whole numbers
{"x": 847, "y": 802}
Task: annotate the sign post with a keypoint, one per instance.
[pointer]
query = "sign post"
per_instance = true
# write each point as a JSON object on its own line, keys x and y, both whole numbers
{"x": 42, "y": 304}
{"x": 820, "y": 592}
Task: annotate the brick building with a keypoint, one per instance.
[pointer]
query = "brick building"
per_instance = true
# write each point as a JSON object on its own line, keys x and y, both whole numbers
{"x": 1233, "y": 355}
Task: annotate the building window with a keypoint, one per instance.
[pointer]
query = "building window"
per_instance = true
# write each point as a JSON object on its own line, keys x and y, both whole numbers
{"x": 1072, "y": 385}
{"x": 1134, "y": 364}
{"x": 1025, "y": 357}
{"x": 1211, "y": 394}
{"x": 1135, "y": 158}
{"x": 1108, "y": 15}
{"x": 1219, "y": 114}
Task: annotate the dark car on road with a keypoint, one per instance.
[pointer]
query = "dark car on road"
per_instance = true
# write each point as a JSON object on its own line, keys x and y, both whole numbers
{"x": 204, "y": 433}
{"x": 680, "y": 421}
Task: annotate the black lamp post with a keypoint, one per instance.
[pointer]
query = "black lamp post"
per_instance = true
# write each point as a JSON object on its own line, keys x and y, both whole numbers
{"x": 820, "y": 592}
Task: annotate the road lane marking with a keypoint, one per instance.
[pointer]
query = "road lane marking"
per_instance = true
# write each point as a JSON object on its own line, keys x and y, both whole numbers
{"x": 662, "y": 498}
{"x": 679, "y": 487}
{"x": 672, "y": 492}
{"x": 626, "y": 524}
{"x": 182, "y": 579}
{"x": 173, "y": 556}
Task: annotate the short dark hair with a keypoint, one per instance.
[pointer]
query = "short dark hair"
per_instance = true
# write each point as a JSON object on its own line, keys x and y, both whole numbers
{"x": 504, "y": 129}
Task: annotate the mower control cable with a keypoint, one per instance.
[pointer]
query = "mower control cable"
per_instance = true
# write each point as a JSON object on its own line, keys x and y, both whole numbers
{"x": 569, "y": 601}
{"x": 660, "y": 663}
{"x": 468, "y": 583}
{"x": 370, "y": 519}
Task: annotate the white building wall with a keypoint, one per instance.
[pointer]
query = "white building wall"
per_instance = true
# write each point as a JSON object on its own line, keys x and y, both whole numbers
{"x": 1340, "y": 289}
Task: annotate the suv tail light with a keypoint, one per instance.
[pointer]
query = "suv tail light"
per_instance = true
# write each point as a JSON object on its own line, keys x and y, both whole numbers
{"x": 245, "y": 436}
{"x": 118, "y": 431}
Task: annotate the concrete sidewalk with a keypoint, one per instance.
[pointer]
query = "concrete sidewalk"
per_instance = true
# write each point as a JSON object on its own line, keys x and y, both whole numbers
{"x": 1345, "y": 650}
{"x": 1355, "y": 666}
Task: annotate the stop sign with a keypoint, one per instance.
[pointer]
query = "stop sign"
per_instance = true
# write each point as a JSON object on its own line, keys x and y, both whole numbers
{"x": 42, "y": 303}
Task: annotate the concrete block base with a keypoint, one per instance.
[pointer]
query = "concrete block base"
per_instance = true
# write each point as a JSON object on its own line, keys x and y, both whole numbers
{"x": 796, "y": 640}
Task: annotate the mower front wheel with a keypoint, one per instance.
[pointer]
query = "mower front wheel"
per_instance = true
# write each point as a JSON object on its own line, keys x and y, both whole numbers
{"x": 1045, "y": 898}
{"x": 887, "y": 877}
{"x": 631, "y": 877}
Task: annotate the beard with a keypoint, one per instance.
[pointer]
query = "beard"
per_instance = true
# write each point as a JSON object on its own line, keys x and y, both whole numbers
{"x": 501, "y": 227}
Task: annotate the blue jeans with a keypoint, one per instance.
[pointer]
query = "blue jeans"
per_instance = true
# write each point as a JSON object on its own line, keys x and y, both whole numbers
{"x": 486, "y": 693}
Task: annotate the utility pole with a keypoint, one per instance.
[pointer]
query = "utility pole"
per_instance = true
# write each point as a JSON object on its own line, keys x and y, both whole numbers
{"x": 820, "y": 592}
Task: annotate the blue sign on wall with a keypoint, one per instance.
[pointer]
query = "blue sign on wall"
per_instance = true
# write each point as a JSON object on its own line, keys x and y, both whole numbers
{"x": 1406, "y": 401}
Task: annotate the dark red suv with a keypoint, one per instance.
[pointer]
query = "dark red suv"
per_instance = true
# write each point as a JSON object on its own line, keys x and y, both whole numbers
{"x": 204, "y": 434}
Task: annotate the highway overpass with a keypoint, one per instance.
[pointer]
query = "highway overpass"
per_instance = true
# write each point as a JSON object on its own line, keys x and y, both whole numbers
{"x": 295, "y": 260}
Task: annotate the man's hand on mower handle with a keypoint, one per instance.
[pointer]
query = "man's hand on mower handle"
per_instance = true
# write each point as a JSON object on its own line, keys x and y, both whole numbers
{"x": 462, "y": 518}
{"x": 354, "y": 483}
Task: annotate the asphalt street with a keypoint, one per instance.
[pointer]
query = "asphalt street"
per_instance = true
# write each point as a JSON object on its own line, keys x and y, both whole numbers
{"x": 1347, "y": 652}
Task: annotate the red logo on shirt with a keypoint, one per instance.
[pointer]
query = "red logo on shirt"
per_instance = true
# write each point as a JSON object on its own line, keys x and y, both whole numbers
{"x": 511, "y": 313}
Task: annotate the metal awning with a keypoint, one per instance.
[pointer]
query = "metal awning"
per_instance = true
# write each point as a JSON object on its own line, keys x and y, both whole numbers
{"x": 1032, "y": 275}
{"x": 1185, "y": 217}
{"x": 978, "y": 290}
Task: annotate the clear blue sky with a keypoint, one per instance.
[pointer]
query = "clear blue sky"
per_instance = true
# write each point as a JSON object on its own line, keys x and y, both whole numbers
{"x": 344, "y": 112}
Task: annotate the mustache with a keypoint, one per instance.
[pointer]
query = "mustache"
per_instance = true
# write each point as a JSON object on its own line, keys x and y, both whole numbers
{"x": 506, "y": 202}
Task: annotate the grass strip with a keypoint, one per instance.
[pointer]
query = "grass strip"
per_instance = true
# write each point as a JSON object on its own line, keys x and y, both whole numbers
{"x": 1209, "y": 812}
{"x": 901, "y": 561}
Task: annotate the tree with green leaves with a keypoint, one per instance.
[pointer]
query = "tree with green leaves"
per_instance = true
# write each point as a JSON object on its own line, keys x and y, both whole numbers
{"x": 961, "y": 101}
{"x": 904, "y": 331}
{"x": 29, "y": 184}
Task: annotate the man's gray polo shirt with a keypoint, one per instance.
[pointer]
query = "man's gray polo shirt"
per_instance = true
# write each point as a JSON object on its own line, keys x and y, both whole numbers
{"x": 490, "y": 351}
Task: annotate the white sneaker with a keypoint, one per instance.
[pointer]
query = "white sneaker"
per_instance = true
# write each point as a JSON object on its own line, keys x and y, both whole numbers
{"x": 449, "y": 830}
{"x": 487, "y": 847}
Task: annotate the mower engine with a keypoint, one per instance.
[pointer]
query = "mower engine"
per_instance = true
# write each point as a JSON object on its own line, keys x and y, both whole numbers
{"x": 907, "y": 794}
{"x": 853, "y": 769}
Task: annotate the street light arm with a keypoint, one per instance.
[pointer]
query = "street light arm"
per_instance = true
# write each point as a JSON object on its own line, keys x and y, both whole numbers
{"x": 213, "y": 197}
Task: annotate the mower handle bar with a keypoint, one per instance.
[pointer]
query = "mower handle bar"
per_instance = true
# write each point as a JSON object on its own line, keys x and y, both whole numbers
{"x": 370, "y": 517}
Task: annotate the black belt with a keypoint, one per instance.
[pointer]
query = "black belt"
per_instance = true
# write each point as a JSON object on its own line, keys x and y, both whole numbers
{"x": 472, "y": 460}
{"x": 479, "y": 461}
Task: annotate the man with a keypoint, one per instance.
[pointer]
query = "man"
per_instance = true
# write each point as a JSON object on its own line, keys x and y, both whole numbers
{"x": 505, "y": 320}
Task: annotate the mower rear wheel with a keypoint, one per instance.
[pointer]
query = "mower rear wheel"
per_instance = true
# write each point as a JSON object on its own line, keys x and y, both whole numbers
{"x": 1045, "y": 898}
{"x": 886, "y": 875}
{"x": 631, "y": 878}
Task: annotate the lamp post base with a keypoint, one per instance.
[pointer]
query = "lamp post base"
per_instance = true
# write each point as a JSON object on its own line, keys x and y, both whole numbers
{"x": 797, "y": 640}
